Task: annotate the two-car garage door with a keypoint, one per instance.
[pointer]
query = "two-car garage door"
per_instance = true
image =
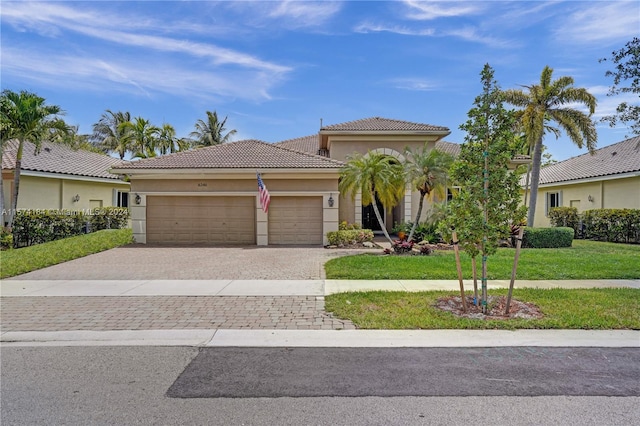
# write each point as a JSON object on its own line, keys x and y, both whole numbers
{"x": 232, "y": 220}
{"x": 193, "y": 220}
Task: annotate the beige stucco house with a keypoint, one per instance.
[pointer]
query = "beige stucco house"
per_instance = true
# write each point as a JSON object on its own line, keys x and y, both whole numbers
{"x": 608, "y": 179}
{"x": 59, "y": 177}
{"x": 210, "y": 195}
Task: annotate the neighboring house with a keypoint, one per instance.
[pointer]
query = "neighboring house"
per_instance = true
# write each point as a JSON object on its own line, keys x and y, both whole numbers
{"x": 59, "y": 177}
{"x": 609, "y": 179}
{"x": 210, "y": 195}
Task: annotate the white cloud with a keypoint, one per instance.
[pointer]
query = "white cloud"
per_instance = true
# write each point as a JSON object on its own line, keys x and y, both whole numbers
{"x": 402, "y": 30}
{"x": 601, "y": 22}
{"x": 428, "y": 10}
{"x": 305, "y": 13}
{"x": 417, "y": 84}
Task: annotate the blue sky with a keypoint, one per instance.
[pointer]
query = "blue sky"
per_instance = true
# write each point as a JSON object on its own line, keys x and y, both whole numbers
{"x": 275, "y": 68}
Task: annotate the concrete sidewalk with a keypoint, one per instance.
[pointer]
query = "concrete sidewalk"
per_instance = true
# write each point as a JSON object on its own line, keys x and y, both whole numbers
{"x": 247, "y": 313}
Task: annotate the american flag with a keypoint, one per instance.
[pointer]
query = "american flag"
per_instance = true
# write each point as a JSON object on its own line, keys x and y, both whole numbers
{"x": 265, "y": 198}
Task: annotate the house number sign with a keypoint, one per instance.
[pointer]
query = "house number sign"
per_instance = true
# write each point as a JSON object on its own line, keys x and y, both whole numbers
{"x": 202, "y": 184}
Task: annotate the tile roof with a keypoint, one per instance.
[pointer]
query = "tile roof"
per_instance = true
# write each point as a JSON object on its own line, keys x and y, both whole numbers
{"x": 448, "y": 147}
{"x": 246, "y": 154}
{"x": 379, "y": 124}
{"x": 308, "y": 144}
{"x": 57, "y": 158}
{"x": 621, "y": 157}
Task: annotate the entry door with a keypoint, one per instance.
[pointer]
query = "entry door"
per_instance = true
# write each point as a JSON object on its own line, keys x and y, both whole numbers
{"x": 369, "y": 219}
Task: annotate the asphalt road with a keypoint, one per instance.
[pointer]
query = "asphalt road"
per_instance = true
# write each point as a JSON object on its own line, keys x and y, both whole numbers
{"x": 129, "y": 385}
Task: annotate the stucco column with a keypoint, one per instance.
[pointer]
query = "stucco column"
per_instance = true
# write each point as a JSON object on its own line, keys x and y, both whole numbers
{"x": 358, "y": 208}
{"x": 330, "y": 215}
{"x": 138, "y": 217}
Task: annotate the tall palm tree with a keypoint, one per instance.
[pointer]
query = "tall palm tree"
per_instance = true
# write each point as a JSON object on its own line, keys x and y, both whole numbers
{"x": 547, "y": 102}
{"x": 211, "y": 132}
{"x": 168, "y": 142}
{"x": 372, "y": 175}
{"x": 110, "y": 135}
{"x": 142, "y": 137}
{"x": 26, "y": 118}
{"x": 427, "y": 170}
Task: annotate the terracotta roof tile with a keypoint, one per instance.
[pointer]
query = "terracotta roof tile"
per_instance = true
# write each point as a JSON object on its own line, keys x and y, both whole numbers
{"x": 621, "y": 157}
{"x": 57, "y": 158}
{"x": 247, "y": 154}
{"x": 308, "y": 144}
{"x": 448, "y": 147}
{"x": 377, "y": 124}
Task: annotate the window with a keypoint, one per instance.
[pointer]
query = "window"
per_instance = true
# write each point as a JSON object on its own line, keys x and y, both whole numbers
{"x": 452, "y": 191}
{"x": 554, "y": 199}
{"x": 122, "y": 199}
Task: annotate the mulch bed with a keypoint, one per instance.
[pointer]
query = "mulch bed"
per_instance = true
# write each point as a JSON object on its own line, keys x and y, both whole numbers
{"x": 496, "y": 307}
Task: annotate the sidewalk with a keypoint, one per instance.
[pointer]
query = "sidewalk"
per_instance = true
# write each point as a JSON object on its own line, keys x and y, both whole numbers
{"x": 247, "y": 313}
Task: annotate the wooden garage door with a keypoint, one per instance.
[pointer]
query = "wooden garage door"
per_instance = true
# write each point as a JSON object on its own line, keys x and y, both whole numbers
{"x": 195, "y": 220}
{"x": 295, "y": 220}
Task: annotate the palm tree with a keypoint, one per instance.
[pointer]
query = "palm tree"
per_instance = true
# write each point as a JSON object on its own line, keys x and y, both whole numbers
{"x": 372, "y": 175}
{"x": 26, "y": 117}
{"x": 427, "y": 170}
{"x": 211, "y": 132}
{"x": 142, "y": 137}
{"x": 168, "y": 142}
{"x": 547, "y": 102}
{"x": 110, "y": 135}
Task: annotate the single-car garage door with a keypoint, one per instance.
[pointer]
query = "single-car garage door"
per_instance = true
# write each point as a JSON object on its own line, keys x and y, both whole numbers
{"x": 206, "y": 219}
{"x": 295, "y": 220}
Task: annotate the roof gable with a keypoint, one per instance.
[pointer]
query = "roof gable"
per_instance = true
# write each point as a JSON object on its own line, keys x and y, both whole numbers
{"x": 621, "y": 157}
{"x": 380, "y": 124}
{"x": 246, "y": 154}
{"x": 61, "y": 159}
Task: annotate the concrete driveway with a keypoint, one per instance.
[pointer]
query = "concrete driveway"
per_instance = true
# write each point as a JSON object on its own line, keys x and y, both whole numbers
{"x": 144, "y": 262}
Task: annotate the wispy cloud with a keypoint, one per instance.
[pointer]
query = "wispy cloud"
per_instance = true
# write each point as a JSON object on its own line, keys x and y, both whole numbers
{"x": 425, "y": 11}
{"x": 305, "y": 13}
{"x": 409, "y": 83}
{"x": 472, "y": 34}
{"x": 395, "y": 29}
{"x": 601, "y": 21}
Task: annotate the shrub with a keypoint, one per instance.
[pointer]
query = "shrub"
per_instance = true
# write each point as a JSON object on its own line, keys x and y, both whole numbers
{"x": 613, "y": 225}
{"x": 565, "y": 217}
{"x": 32, "y": 227}
{"x": 425, "y": 231}
{"x": 351, "y": 236}
{"x": 547, "y": 237}
{"x": 345, "y": 226}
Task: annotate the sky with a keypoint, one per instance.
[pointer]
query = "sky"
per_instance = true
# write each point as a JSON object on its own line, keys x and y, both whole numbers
{"x": 277, "y": 68}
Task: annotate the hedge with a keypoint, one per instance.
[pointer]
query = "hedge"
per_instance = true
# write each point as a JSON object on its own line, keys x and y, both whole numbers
{"x": 613, "y": 225}
{"x": 32, "y": 227}
{"x": 547, "y": 237}
{"x": 566, "y": 217}
{"x": 351, "y": 236}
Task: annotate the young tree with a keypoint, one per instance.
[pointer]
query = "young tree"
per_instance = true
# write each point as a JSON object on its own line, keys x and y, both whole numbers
{"x": 427, "y": 171}
{"x": 547, "y": 102}
{"x": 109, "y": 133}
{"x": 26, "y": 118}
{"x": 211, "y": 132}
{"x": 626, "y": 79}
{"x": 372, "y": 175}
{"x": 488, "y": 201}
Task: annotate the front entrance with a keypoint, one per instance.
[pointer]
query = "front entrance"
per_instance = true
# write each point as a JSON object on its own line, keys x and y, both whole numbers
{"x": 369, "y": 219}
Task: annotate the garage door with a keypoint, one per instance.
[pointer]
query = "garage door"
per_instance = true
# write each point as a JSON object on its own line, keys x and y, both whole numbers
{"x": 193, "y": 220}
{"x": 295, "y": 220}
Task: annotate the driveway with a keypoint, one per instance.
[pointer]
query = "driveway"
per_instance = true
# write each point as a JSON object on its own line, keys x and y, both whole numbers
{"x": 144, "y": 262}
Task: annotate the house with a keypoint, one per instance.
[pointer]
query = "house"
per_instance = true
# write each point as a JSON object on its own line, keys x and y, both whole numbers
{"x": 608, "y": 179}
{"x": 59, "y": 177}
{"x": 210, "y": 195}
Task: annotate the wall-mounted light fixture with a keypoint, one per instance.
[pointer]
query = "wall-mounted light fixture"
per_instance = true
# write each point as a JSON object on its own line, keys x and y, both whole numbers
{"x": 138, "y": 199}
{"x": 590, "y": 198}
{"x": 75, "y": 198}
{"x": 330, "y": 200}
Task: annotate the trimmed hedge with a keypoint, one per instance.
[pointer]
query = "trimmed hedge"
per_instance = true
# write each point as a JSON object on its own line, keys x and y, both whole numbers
{"x": 612, "y": 225}
{"x": 547, "y": 237}
{"x": 351, "y": 236}
{"x": 566, "y": 217}
{"x": 32, "y": 227}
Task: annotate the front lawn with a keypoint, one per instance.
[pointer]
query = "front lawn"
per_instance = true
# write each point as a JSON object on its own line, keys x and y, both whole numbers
{"x": 27, "y": 259}
{"x": 585, "y": 260}
{"x": 593, "y": 309}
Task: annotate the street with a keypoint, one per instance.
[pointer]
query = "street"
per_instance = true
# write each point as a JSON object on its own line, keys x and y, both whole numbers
{"x": 184, "y": 385}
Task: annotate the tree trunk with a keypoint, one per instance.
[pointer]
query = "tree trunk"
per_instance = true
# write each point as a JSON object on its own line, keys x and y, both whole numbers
{"x": 380, "y": 221}
{"x": 475, "y": 280}
{"x": 16, "y": 183}
{"x": 415, "y": 223}
{"x": 2, "y": 212}
{"x": 456, "y": 250}
{"x": 514, "y": 269}
{"x": 535, "y": 180}
{"x": 526, "y": 186}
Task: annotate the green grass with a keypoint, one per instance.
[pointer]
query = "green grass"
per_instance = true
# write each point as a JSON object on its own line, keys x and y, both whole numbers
{"x": 585, "y": 260}
{"x": 27, "y": 259}
{"x": 591, "y": 309}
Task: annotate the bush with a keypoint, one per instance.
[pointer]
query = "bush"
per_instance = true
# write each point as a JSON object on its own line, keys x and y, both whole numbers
{"x": 613, "y": 225}
{"x": 345, "y": 226}
{"x": 547, "y": 237}
{"x": 425, "y": 231}
{"x": 565, "y": 217}
{"x": 347, "y": 237}
{"x": 32, "y": 227}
